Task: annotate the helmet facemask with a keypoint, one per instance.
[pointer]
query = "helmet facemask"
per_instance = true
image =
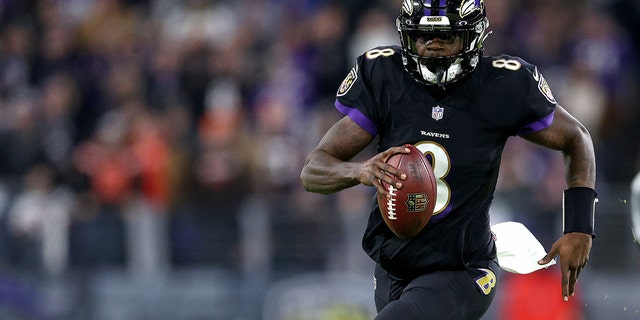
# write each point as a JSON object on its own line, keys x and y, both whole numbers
{"x": 421, "y": 18}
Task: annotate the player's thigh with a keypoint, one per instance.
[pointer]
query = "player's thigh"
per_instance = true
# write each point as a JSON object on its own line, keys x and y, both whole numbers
{"x": 387, "y": 289}
{"x": 444, "y": 295}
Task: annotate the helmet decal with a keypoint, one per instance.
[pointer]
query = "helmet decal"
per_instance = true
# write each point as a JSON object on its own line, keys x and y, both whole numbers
{"x": 407, "y": 7}
{"x": 435, "y": 20}
{"x": 470, "y": 6}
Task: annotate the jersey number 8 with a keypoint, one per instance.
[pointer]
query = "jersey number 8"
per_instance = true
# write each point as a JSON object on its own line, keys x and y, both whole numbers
{"x": 441, "y": 164}
{"x": 375, "y": 53}
{"x": 513, "y": 65}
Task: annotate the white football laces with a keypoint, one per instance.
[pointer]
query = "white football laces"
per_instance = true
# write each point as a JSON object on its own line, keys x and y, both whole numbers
{"x": 391, "y": 204}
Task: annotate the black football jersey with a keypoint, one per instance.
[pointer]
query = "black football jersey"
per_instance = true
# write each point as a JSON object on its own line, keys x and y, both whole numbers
{"x": 462, "y": 130}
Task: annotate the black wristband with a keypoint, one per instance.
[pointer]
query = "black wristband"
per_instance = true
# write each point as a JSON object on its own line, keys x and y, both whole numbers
{"x": 578, "y": 210}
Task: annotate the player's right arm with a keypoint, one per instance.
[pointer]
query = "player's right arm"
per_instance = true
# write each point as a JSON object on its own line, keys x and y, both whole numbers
{"x": 328, "y": 168}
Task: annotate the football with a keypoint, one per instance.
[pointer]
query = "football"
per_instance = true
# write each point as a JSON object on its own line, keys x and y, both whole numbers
{"x": 410, "y": 208}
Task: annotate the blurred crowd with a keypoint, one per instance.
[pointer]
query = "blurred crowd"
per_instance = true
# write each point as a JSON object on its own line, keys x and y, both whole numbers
{"x": 155, "y": 134}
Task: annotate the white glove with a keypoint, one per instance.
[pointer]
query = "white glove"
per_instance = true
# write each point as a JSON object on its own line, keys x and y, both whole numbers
{"x": 518, "y": 249}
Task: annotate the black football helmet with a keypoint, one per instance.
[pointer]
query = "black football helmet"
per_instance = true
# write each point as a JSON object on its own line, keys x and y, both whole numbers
{"x": 442, "y": 18}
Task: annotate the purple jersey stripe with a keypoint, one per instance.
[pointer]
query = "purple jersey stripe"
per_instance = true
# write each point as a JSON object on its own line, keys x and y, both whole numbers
{"x": 538, "y": 125}
{"x": 358, "y": 117}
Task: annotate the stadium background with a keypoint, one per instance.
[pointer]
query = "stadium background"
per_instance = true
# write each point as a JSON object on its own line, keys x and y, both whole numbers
{"x": 150, "y": 153}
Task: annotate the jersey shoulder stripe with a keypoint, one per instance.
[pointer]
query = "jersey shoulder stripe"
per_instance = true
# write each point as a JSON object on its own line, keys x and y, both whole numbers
{"x": 358, "y": 117}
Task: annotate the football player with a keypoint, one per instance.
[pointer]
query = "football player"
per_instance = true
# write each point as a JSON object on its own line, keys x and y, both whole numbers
{"x": 438, "y": 92}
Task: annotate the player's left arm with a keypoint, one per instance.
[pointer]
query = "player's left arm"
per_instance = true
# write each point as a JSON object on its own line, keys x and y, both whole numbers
{"x": 569, "y": 136}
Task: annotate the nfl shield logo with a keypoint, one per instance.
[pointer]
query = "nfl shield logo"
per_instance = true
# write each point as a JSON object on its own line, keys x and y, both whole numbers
{"x": 437, "y": 112}
{"x": 416, "y": 202}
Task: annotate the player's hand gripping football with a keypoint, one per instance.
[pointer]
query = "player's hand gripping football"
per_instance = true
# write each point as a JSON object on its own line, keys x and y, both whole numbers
{"x": 372, "y": 171}
{"x": 573, "y": 249}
